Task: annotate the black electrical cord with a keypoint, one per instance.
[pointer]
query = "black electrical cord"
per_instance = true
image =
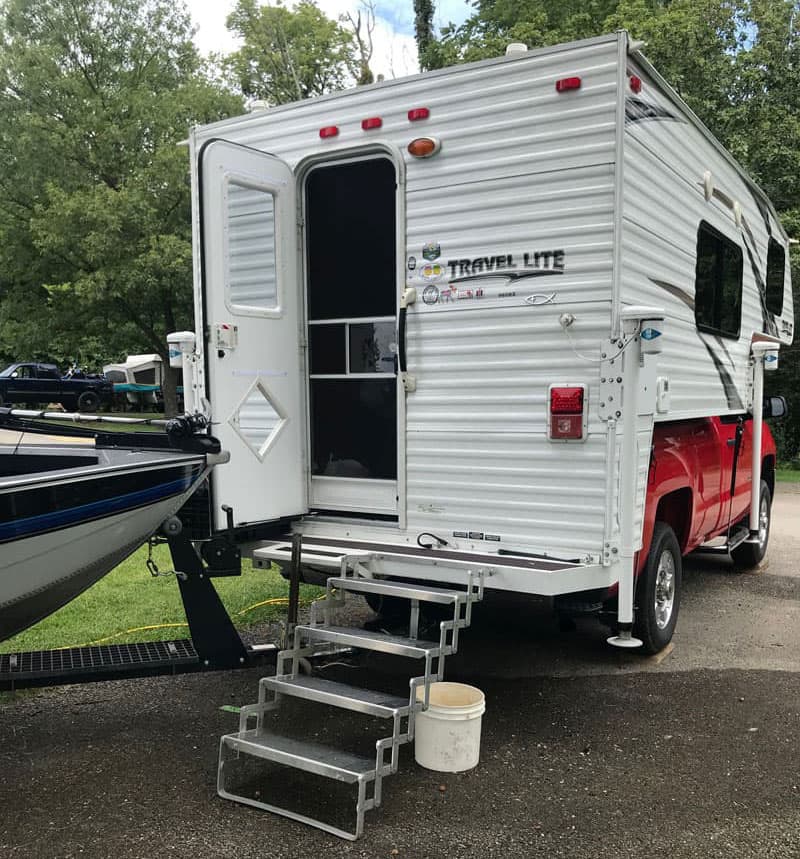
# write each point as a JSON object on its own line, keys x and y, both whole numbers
{"x": 439, "y": 540}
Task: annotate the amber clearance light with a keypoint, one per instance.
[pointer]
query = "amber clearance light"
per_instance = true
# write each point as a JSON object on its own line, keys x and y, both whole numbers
{"x": 424, "y": 147}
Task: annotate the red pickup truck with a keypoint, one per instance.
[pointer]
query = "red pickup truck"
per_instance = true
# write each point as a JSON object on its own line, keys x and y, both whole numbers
{"x": 699, "y": 489}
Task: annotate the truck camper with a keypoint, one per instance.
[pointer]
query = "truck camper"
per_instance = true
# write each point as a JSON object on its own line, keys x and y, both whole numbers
{"x": 507, "y": 319}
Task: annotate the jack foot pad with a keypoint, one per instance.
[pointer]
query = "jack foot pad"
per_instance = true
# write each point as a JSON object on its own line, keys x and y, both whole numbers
{"x": 624, "y": 639}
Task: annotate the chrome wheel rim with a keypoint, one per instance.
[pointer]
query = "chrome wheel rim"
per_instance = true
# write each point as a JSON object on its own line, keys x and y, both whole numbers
{"x": 665, "y": 589}
{"x": 763, "y": 522}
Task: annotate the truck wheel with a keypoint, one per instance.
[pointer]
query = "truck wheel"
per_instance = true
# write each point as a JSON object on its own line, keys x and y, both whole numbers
{"x": 88, "y": 401}
{"x": 658, "y": 591}
{"x": 748, "y": 555}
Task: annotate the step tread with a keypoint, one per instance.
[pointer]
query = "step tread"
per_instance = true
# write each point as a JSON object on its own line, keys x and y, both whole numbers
{"x": 368, "y": 640}
{"x": 302, "y": 754}
{"x": 327, "y": 691}
{"x": 406, "y": 590}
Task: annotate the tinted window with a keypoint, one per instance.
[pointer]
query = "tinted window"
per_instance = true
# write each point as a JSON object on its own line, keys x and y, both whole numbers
{"x": 718, "y": 283}
{"x": 776, "y": 267}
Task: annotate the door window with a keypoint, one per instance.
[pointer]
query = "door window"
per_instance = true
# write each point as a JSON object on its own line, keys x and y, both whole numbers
{"x": 250, "y": 233}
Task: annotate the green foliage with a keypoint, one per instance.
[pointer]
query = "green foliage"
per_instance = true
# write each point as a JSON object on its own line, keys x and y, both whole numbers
{"x": 290, "y": 54}
{"x": 95, "y": 237}
{"x": 423, "y": 30}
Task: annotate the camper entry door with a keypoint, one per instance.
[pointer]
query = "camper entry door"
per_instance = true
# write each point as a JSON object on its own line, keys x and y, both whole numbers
{"x": 253, "y": 352}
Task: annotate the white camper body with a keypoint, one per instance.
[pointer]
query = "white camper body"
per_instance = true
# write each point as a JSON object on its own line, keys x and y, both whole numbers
{"x": 528, "y": 252}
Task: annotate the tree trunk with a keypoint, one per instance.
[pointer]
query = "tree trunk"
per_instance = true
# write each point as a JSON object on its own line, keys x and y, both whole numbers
{"x": 169, "y": 388}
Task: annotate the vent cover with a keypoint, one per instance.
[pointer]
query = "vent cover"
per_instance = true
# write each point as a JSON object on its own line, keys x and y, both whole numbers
{"x": 259, "y": 419}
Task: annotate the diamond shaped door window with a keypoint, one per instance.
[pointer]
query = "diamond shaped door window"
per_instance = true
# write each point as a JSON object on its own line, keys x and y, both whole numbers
{"x": 259, "y": 419}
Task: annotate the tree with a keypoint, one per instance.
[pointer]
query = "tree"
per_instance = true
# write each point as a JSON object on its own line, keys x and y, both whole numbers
{"x": 289, "y": 54}
{"x": 423, "y": 30}
{"x": 95, "y": 238}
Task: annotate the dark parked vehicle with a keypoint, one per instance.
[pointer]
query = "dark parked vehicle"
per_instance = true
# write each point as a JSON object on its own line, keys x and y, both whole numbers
{"x": 28, "y": 383}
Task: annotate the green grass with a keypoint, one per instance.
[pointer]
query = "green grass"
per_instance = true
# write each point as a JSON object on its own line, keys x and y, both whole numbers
{"x": 787, "y": 475}
{"x": 129, "y": 598}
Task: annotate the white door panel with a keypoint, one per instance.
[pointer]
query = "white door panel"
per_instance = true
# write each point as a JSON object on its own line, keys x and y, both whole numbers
{"x": 252, "y": 300}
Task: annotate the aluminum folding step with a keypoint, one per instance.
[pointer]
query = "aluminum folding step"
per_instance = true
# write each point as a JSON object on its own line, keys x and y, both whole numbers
{"x": 323, "y": 691}
{"x": 302, "y": 755}
{"x": 310, "y": 639}
{"x": 308, "y": 757}
{"x": 368, "y": 640}
{"x": 402, "y": 590}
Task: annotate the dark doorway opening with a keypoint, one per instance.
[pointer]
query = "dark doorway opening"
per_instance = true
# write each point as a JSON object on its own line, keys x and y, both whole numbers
{"x": 352, "y": 301}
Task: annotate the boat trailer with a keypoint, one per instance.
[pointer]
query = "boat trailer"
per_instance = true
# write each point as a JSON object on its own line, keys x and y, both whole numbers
{"x": 214, "y": 644}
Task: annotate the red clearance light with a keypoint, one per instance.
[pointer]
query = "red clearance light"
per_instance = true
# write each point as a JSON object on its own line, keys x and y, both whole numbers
{"x": 566, "y": 413}
{"x": 424, "y": 147}
{"x": 372, "y": 122}
{"x": 328, "y": 131}
{"x": 636, "y": 84}
{"x": 566, "y": 401}
{"x": 568, "y": 83}
{"x": 418, "y": 113}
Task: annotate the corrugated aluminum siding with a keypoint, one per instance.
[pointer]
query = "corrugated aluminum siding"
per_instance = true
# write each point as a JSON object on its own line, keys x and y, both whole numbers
{"x": 522, "y": 169}
{"x": 665, "y": 158}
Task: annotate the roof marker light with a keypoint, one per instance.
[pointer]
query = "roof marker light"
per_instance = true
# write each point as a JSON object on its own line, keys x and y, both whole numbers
{"x": 372, "y": 122}
{"x": 568, "y": 83}
{"x": 424, "y": 147}
{"x": 417, "y": 113}
{"x": 636, "y": 83}
{"x": 328, "y": 131}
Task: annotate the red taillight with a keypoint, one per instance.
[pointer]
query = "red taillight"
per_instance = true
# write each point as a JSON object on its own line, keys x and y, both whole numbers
{"x": 568, "y": 83}
{"x": 566, "y": 413}
{"x": 636, "y": 83}
{"x": 418, "y": 113}
{"x": 328, "y": 131}
{"x": 372, "y": 122}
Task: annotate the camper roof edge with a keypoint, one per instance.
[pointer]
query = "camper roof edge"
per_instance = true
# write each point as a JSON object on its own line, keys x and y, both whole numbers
{"x": 214, "y": 127}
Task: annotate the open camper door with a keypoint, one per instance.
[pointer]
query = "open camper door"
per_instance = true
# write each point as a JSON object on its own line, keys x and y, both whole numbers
{"x": 252, "y": 309}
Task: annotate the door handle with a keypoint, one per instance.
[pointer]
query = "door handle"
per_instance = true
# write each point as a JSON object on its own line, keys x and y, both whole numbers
{"x": 409, "y": 297}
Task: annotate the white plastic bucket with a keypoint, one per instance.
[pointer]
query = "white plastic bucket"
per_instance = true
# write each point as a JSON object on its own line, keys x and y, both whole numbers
{"x": 447, "y": 736}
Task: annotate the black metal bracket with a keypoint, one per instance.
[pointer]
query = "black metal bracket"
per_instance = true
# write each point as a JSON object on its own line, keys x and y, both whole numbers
{"x": 214, "y": 636}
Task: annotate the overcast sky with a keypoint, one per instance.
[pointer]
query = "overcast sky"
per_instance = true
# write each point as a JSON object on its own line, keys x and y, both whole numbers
{"x": 395, "y": 50}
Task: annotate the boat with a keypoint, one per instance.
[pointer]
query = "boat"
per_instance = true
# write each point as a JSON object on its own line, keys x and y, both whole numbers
{"x": 74, "y": 506}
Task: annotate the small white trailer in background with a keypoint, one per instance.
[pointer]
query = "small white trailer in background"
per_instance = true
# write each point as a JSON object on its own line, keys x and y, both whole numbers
{"x": 500, "y": 323}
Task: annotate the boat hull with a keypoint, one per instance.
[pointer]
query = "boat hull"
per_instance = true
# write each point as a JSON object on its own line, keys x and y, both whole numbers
{"x": 59, "y": 534}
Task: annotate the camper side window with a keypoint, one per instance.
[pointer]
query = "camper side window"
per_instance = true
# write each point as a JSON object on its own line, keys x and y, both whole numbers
{"x": 718, "y": 283}
{"x": 776, "y": 271}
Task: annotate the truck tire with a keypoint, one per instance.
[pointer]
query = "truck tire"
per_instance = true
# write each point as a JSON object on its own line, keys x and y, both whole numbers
{"x": 658, "y": 591}
{"x": 88, "y": 401}
{"x": 749, "y": 555}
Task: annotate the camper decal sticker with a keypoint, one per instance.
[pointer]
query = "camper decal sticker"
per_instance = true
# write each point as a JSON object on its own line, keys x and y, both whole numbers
{"x": 431, "y": 251}
{"x": 637, "y": 110}
{"x": 505, "y": 265}
{"x": 537, "y": 299}
{"x": 432, "y": 271}
{"x": 430, "y": 295}
{"x": 412, "y": 263}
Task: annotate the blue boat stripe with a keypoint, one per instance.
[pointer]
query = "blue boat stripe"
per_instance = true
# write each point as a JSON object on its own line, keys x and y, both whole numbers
{"x": 96, "y": 509}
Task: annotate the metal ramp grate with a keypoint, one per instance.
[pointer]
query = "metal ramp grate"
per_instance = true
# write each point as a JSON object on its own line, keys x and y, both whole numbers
{"x": 253, "y": 739}
{"x": 79, "y": 663}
